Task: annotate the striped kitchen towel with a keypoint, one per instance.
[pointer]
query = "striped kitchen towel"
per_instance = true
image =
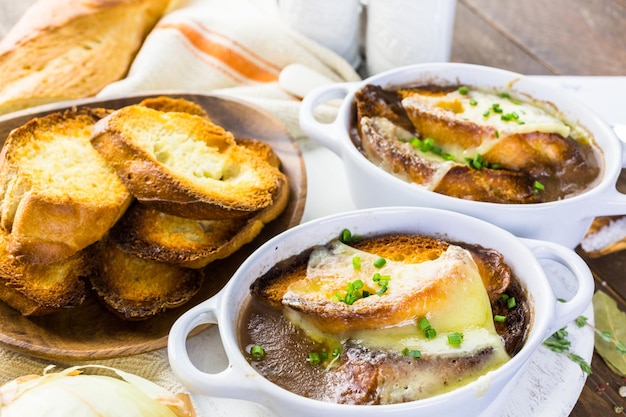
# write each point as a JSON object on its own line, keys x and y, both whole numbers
{"x": 235, "y": 48}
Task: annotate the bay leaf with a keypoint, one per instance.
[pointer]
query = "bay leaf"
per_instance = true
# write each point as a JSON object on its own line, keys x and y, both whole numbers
{"x": 611, "y": 321}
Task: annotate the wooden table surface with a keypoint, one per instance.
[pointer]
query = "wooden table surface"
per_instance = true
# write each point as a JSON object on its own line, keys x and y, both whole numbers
{"x": 536, "y": 37}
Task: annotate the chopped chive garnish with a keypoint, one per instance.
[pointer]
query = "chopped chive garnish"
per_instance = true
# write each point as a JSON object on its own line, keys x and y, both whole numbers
{"x": 380, "y": 262}
{"x": 430, "y": 333}
{"x": 486, "y": 113}
{"x": 498, "y": 318}
{"x": 427, "y": 144}
{"x": 463, "y": 90}
{"x": 347, "y": 237}
{"x": 314, "y": 358}
{"x": 455, "y": 339}
{"x": 356, "y": 262}
{"x": 405, "y": 351}
{"x": 336, "y": 352}
{"x": 423, "y": 323}
{"x": 505, "y": 95}
{"x": 537, "y": 187}
{"x": 257, "y": 352}
{"x": 415, "y": 353}
{"x": 473, "y": 102}
{"x": 510, "y": 303}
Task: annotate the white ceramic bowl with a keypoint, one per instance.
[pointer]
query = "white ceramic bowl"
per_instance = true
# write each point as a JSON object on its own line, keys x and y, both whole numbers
{"x": 565, "y": 221}
{"x": 480, "y": 398}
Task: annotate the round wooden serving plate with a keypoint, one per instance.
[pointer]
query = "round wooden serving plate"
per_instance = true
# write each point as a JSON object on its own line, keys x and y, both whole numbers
{"x": 90, "y": 331}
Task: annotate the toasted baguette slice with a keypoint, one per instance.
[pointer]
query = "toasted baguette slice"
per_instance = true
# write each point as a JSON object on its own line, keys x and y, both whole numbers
{"x": 480, "y": 146}
{"x": 58, "y": 195}
{"x": 67, "y": 49}
{"x": 137, "y": 289}
{"x": 425, "y": 269}
{"x": 151, "y": 234}
{"x": 184, "y": 165}
{"x": 166, "y": 104}
{"x": 41, "y": 289}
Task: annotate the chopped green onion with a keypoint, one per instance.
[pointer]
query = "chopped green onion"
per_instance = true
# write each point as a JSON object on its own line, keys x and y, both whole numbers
{"x": 510, "y": 116}
{"x": 455, "y": 339}
{"x": 510, "y": 303}
{"x": 336, "y": 352}
{"x": 537, "y": 187}
{"x": 423, "y": 323}
{"x": 356, "y": 262}
{"x": 415, "y": 353}
{"x": 505, "y": 95}
{"x": 314, "y": 358}
{"x": 463, "y": 90}
{"x": 405, "y": 351}
{"x": 380, "y": 262}
{"x": 486, "y": 113}
{"x": 427, "y": 144}
{"x": 498, "y": 318}
{"x": 473, "y": 102}
{"x": 347, "y": 237}
{"x": 257, "y": 352}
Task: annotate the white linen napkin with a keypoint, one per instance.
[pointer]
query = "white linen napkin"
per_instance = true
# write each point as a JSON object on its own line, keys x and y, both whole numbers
{"x": 234, "y": 48}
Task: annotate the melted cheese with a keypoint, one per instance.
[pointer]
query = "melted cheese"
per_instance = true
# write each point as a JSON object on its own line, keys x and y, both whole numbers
{"x": 448, "y": 291}
{"x": 475, "y": 104}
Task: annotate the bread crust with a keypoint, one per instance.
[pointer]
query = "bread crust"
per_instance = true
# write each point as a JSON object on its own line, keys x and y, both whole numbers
{"x": 137, "y": 289}
{"x": 48, "y": 220}
{"x": 66, "y": 49}
{"x": 151, "y": 234}
{"x": 247, "y": 183}
{"x": 42, "y": 289}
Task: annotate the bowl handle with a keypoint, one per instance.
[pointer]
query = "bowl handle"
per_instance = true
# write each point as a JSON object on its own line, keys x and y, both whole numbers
{"x": 323, "y": 133}
{"x": 566, "y": 310}
{"x": 231, "y": 382}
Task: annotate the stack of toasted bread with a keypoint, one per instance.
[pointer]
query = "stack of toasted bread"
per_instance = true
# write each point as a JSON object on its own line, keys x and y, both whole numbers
{"x": 135, "y": 201}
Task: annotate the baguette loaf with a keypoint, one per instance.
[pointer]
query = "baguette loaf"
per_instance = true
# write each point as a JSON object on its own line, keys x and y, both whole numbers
{"x": 184, "y": 165}
{"x": 41, "y": 289}
{"x": 137, "y": 289}
{"x": 57, "y": 193}
{"x": 150, "y": 234}
{"x": 68, "y": 49}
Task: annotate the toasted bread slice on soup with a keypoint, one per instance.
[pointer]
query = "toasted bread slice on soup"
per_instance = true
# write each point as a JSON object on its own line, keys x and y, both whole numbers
{"x": 151, "y": 234}
{"x": 40, "y": 289}
{"x": 135, "y": 288}
{"x": 58, "y": 195}
{"x": 474, "y": 145}
{"x": 184, "y": 165}
{"x": 303, "y": 290}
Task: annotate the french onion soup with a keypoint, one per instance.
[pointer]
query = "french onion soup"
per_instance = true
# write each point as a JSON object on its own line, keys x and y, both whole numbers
{"x": 384, "y": 319}
{"x": 475, "y": 144}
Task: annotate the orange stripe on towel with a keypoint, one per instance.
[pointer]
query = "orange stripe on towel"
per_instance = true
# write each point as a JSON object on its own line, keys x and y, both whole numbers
{"x": 224, "y": 53}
